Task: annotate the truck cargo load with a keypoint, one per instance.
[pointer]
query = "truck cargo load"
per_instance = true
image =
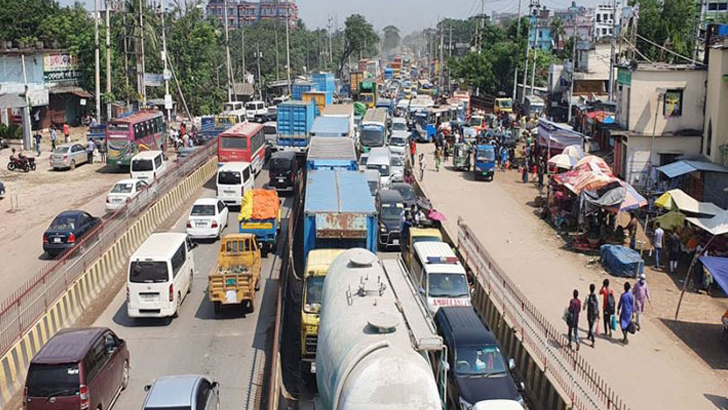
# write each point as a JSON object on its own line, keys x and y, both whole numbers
{"x": 332, "y": 127}
{"x": 320, "y": 98}
{"x": 295, "y": 119}
{"x": 325, "y": 82}
{"x": 331, "y": 153}
{"x": 300, "y": 87}
{"x": 260, "y": 215}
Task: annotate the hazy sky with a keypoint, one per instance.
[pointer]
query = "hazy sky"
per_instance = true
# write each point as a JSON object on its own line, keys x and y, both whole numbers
{"x": 408, "y": 15}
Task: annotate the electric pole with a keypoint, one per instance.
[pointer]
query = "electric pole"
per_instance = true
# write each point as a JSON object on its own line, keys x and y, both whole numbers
{"x": 331, "y": 52}
{"x": 227, "y": 55}
{"x": 97, "y": 68}
{"x": 108, "y": 62}
{"x": 260, "y": 80}
{"x": 441, "y": 82}
{"x": 612, "y": 53}
{"x": 528, "y": 48}
{"x": 126, "y": 55}
{"x": 142, "y": 86}
{"x": 515, "y": 68}
{"x": 242, "y": 51}
{"x": 535, "y": 54}
{"x": 275, "y": 36}
{"x": 482, "y": 26}
{"x": 450, "y": 45}
{"x": 288, "y": 53}
{"x": 164, "y": 59}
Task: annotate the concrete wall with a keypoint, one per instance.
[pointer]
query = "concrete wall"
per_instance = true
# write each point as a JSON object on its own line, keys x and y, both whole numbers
{"x": 11, "y": 68}
{"x": 640, "y": 100}
{"x": 716, "y": 107}
{"x": 638, "y": 154}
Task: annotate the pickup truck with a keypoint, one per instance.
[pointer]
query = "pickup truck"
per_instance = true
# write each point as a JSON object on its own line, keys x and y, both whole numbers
{"x": 236, "y": 276}
{"x": 260, "y": 215}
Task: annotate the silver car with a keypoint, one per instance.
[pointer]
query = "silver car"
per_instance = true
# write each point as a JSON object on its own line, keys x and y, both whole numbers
{"x": 182, "y": 392}
{"x": 68, "y": 156}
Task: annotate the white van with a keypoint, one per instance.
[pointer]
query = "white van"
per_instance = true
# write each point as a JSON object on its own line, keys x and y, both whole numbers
{"x": 380, "y": 159}
{"x": 253, "y": 109}
{"x": 233, "y": 179}
{"x": 160, "y": 275}
{"x": 148, "y": 166}
{"x": 440, "y": 277}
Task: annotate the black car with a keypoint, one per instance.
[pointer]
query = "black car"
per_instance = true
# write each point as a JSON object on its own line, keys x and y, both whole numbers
{"x": 283, "y": 170}
{"x": 66, "y": 230}
{"x": 390, "y": 206}
{"x": 478, "y": 370}
{"x": 407, "y": 192}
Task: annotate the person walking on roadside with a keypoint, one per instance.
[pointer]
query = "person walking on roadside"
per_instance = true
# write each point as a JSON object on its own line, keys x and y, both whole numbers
{"x": 66, "y": 133}
{"x": 657, "y": 241}
{"x": 437, "y": 159}
{"x": 632, "y": 230}
{"x": 413, "y": 151}
{"x": 573, "y": 319}
{"x": 625, "y": 310}
{"x": 102, "y": 151}
{"x": 608, "y": 306}
{"x": 90, "y": 151}
{"x": 591, "y": 305}
{"x": 674, "y": 245}
{"x": 37, "y": 142}
{"x": 423, "y": 165}
{"x": 641, "y": 295}
{"x": 54, "y": 137}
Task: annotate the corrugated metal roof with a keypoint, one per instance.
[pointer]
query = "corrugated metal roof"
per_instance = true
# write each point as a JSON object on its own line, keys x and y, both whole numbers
{"x": 683, "y": 167}
{"x": 338, "y": 191}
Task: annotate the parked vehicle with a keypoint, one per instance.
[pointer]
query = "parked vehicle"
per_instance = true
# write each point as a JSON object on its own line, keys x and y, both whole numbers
{"x": 407, "y": 192}
{"x": 331, "y": 153}
{"x": 67, "y": 156}
{"x": 233, "y": 180}
{"x": 498, "y": 405}
{"x": 160, "y": 276}
{"x": 260, "y": 215}
{"x": 188, "y": 392}
{"x": 381, "y": 160}
{"x": 478, "y": 370}
{"x": 21, "y": 162}
{"x": 439, "y": 276}
{"x": 363, "y": 159}
{"x": 484, "y": 162}
{"x": 128, "y": 136}
{"x": 390, "y": 206}
{"x": 254, "y": 110}
{"x": 236, "y": 276}
{"x": 67, "y": 230}
{"x": 461, "y": 156}
{"x": 283, "y": 171}
{"x": 317, "y": 265}
{"x": 128, "y": 190}
{"x": 207, "y": 219}
{"x": 148, "y": 165}
{"x": 78, "y": 368}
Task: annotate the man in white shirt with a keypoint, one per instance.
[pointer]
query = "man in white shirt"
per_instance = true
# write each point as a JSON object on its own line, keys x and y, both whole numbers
{"x": 657, "y": 241}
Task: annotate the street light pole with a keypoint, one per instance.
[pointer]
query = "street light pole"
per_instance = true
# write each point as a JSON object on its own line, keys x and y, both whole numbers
{"x": 108, "y": 61}
{"x": 518, "y": 37}
{"x": 97, "y": 68}
{"x": 288, "y": 51}
{"x": 164, "y": 58}
{"x": 260, "y": 80}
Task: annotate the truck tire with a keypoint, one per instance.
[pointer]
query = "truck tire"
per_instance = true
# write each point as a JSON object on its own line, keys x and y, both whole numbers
{"x": 216, "y": 307}
{"x": 264, "y": 250}
{"x": 251, "y": 306}
{"x": 257, "y": 284}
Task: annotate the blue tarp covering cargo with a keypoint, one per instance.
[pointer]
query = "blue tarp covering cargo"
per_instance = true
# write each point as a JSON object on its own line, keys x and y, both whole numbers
{"x": 718, "y": 267}
{"x": 621, "y": 261}
{"x": 338, "y": 211}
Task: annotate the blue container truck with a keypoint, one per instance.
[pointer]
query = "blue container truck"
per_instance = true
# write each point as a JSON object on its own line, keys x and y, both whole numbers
{"x": 331, "y": 153}
{"x": 385, "y": 103}
{"x": 338, "y": 211}
{"x": 295, "y": 119}
{"x": 325, "y": 82}
{"x": 331, "y": 127}
{"x": 298, "y": 88}
{"x": 388, "y": 74}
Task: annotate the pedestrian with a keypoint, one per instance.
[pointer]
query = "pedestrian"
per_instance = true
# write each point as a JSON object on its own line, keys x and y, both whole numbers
{"x": 524, "y": 172}
{"x": 413, "y": 151}
{"x": 641, "y": 295}
{"x": 437, "y": 159}
{"x": 625, "y": 310}
{"x": 423, "y": 164}
{"x": 591, "y": 305}
{"x": 66, "y": 133}
{"x": 673, "y": 247}
{"x": 573, "y": 318}
{"x": 698, "y": 272}
{"x": 632, "y": 230}
{"x": 90, "y": 151}
{"x": 608, "y": 306}
{"x": 37, "y": 142}
{"x": 54, "y": 136}
{"x": 657, "y": 240}
{"x": 102, "y": 151}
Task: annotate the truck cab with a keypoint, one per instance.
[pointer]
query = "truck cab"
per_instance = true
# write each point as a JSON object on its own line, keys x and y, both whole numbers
{"x": 236, "y": 276}
{"x": 317, "y": 265}
{"x": 254, "y": 110}
{"x": 417, "y": 235}
{"x": 503, "y": 105}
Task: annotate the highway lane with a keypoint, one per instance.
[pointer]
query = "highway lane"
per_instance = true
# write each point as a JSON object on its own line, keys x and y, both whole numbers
{"x": 229, "y": 348}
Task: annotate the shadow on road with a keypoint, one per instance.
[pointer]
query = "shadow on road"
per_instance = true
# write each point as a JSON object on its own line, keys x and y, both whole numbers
{"x": 720, "y": 403}
{"x": 122, "y": 319}
{"x": 705, "y": 339}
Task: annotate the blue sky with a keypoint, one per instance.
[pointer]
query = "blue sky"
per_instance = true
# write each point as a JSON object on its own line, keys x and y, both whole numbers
{"x": 408, "y": 15}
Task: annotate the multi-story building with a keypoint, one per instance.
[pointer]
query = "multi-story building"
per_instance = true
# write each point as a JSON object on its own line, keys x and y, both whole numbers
{"x": 540, "y": 29}
{"x": 578, "y": 21}
{"x": 604, "y": 20}
{"x": 241, "y": 13}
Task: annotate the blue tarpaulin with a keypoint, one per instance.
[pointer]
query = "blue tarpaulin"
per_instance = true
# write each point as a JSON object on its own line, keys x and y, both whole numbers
{"x": 621, "y": 261}
{"x": 718, "y": 267}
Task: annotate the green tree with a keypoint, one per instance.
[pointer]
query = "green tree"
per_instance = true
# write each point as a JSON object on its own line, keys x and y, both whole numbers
{"x": 668, "y": 23}
{"x": 359, "y": 37}
{"x": 557, "y": 31}
{"x": 391, "y": 38}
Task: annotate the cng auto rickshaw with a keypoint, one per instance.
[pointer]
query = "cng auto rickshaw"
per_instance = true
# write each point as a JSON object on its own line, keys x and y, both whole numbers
{"x": 484, "y": 162}
{"x": 461, "y": 157}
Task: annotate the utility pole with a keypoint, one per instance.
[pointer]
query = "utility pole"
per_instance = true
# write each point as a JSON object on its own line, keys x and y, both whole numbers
{"x": 126, "y": 55}
{"x": 441, "y": 82}
{"x": 260, "y": 80}
{"x": 142, "y": 86}
{"x": 108, "y": 62}
{"x": 97, "y": 68}
{"x": 164, "y": 58}
{"x": 612, "y": 55}
{"x": 275, "y": 36}
{"x": 703, "y": 7}
{"x": 331, "y": 52}
{"x": 450, "y": 45}
{"x": 482, "y": 26}
{"x": 288, "y": 53}
{"x": 573, "y": 74}
{"x": 535, "y": 51}
{"x": 227, "y": 55}
{"x": 528, "y": 47}
{"x": 515, "y": 69}
{"x": 242, "y": 50}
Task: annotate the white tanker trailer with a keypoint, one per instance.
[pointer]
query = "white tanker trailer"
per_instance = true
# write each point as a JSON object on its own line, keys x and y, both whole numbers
{"x": 369, "y": 356}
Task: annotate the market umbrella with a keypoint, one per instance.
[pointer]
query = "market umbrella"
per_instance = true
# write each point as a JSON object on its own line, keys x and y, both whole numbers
{"x": 436, "y": 216}
{"x": 677, "y": 199}
{"x": 717, "y": 225}
{"x": 590, "y": 181}
{"x": 574, "y": 151}
{"x": 671, "y": 220}
{"x": 632, "y": 198}
{"x": 594, "y": 163}
{"x": 563, "y": 161}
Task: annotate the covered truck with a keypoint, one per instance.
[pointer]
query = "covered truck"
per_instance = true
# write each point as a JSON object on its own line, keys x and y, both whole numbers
{"x": 331, "y": 153}
{"x": 260, "y": 215}
{"x": 236, "y": 276}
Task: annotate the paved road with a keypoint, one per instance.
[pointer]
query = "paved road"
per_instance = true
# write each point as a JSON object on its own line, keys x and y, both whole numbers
{"x": 655, "y": 371}
{"x": 229, "y": 348}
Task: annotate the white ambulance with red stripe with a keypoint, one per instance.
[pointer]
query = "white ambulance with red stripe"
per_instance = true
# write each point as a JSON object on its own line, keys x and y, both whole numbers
{"x": 439, "y": 276}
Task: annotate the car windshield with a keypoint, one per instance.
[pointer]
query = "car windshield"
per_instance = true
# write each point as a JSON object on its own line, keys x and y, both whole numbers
{"x": 269, "y": 130}
{"x": 64, "y": 223}
{"x": 476, "y": 122}
{"x": 119, "y": 127}
{"x": 148, "y": 272}
{"x": 372, "y": 138}
{"x": 233, "y": 143}
{"x": 363, "y": 160}
{"x": 122, "y": 188}
{"x": 229, "y": 178}
{"x": 397, "y": 161}
{"x": 279, "y": 165}
{"x": 479, "y": 361}
{"x": 52, "y": 380}
{"x": 399, "y": 126}
{"x": 373, "y": 186}
{"x": 447, "y": 285}
{"x": 251, "y": 106}
{"x": 423, "y": 238}
{"x": 61, "y": 150}
{"x": 505, "y": 103}
{"x": 314, "y": 291}
{"x": 203, "y": 210}
{"x": 397, "y": 142}
{"x": 383, "y": 169}
{"x": 486, "y": 155}
{"x": 391, "y": 211}
{"x": 406, "y": 192}
{"x": 142, "y": 165}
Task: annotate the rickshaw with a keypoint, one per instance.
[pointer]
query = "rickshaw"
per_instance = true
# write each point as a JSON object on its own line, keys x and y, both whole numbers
{"x": 484, "y": 162}
{"x": 461, "y": 157}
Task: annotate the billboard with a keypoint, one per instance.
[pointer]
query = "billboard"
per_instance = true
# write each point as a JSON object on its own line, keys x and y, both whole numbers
{"x": 61, "y": 68}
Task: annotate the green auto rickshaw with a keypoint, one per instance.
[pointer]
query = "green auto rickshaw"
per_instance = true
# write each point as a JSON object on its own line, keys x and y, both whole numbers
{"x": 461, "y": 157}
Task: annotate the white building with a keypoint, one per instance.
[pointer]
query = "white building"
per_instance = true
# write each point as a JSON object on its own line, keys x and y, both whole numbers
{"x": 604, "y": 20}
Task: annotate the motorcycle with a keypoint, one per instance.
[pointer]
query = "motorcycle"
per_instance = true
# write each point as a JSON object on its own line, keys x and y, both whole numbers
{"x": 25, "y": 163}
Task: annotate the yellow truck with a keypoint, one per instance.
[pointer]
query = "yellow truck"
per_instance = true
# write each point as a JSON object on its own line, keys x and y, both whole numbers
{"x": 236, "y": 276}
{"x": 503, "y": 105}
{"x": 418, "y": 235}
{"x": 317, "y": 265}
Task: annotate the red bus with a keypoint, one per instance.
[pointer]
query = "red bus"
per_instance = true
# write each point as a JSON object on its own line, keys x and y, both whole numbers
{"x": 127, "y": 136}
{"x": 244, "y": 142}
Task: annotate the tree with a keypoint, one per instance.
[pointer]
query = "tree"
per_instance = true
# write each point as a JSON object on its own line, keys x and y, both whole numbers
{"x": 359, "y": 36}
{"x": 391, "y": 38}
{"x": 557, "y": 31}
{"x": 667, "y": 23}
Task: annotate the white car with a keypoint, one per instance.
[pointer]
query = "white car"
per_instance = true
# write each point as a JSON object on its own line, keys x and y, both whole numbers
{"x": 399, "y": 143}
{"x": 207, "y": 219}
{"x": 126, "y": 191}
{"x": 397, "y": 169}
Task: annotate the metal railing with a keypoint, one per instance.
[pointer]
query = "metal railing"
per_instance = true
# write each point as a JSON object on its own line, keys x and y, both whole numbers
{"x": 584, "y": 386}
{"x": 28, "y": 303}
